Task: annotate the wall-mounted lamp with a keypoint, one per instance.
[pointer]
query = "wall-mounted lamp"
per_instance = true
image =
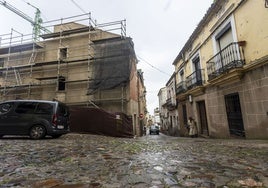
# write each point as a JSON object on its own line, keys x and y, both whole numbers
{"x": 190, "y": 98}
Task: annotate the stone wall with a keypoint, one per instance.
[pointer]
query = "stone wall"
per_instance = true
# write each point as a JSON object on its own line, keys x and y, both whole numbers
{"x": 252, "y": 90}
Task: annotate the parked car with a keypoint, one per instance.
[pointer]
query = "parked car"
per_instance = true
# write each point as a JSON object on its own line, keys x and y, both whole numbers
{"x": 154, "y": 129}
{"x": 36, "y": 118}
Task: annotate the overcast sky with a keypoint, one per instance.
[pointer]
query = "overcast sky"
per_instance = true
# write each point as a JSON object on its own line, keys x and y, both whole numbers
{"x": 159, "y": 28}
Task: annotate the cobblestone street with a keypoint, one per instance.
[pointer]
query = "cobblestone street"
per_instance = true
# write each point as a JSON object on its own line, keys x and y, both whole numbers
{"x": 77, "y": 160}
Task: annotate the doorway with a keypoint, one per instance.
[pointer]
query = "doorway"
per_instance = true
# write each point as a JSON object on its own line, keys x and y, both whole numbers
{"x": 234, "y": 115}
{"x": 184, "y": 114}
{"x": 171, "y": 122}
{"x": 203, "y": 118}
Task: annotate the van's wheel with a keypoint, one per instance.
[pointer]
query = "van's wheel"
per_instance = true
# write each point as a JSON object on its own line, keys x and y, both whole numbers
{"x": 37, "y": 132}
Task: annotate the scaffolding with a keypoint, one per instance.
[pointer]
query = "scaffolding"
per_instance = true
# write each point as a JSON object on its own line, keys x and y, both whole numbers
{"x": 60, "y": 65}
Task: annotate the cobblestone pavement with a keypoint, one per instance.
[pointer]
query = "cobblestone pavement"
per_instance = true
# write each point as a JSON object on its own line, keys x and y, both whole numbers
{"x": 80, "y": 161}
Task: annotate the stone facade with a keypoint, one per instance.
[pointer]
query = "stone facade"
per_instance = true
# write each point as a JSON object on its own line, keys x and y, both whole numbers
{"x": 221, "y": 72}
{"x": 77, "y": 64}
{"x": 163, "y": 111}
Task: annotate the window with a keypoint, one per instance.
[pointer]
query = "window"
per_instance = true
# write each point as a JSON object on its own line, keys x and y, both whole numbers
{"x": 196, "y": 63}
{"x": 169, "y": 94}
{"x": 5, "y": 108}
{"x": 2, "y": 60}
{"x": 63, "y": 53}
{"x": 44, "y": 108}
{"x": 224, "y": 37}
{"x": 181, "y": 86}
{"x": 61, "y": 83}
{"x": 62, "y": 110}
{"x": 197, "y": 77}
{"x": 226, "y": 51}
{"x": 182, "y": 75}
{"x": 26, "y": 108}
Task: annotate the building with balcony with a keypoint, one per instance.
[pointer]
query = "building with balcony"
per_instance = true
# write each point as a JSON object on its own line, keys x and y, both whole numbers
{"x": 171, "y": 107}
{"x": 163, "y": 112}
{"x": 156, "y": 116}
{"x": 222, "y": 72}
{"x": 142, "y": 108}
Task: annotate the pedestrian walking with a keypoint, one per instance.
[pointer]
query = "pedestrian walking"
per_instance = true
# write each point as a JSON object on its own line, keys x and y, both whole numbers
{"x": 144, "y": 130}
{"x": 192, "y": 127}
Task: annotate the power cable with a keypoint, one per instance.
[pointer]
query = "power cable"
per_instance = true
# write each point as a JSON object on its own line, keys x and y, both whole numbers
{"x": 24, "y": 1}
{"x": 143, "y": 60}
{"x": 77, "y": 5}
{"x": 44, "y": 16}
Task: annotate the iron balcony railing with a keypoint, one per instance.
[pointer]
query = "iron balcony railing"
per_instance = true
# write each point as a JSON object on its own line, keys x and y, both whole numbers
{"x": 169, "y": 101}
{"x": 232, "y": 56}
{"x": 195, "y": 79}
{"x": 171, "y": 104}
{"x": 181, "y": 87}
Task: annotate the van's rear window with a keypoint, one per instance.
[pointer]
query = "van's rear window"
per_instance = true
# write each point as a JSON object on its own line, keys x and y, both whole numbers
{"x": 62, "y": 110}
{"x": 44, "y": 108}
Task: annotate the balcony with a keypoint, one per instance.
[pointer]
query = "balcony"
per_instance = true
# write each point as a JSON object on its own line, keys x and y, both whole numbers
{"x": 181, "y": 87}
{"x": 232, "y": 56}
{"x": 170, "y": 104}
{"x": 195, "y": 79}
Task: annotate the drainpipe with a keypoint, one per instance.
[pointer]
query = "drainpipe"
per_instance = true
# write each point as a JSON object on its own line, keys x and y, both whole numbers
{"x": 138, "y": 95}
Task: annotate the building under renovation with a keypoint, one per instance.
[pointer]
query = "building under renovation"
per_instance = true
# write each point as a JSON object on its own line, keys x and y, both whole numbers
{"x": 77, "y": 62}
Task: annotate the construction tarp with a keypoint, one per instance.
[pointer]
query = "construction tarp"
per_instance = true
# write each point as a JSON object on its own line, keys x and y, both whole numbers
{"x": 112, "y": 63}
{"x": 98, "y": 121}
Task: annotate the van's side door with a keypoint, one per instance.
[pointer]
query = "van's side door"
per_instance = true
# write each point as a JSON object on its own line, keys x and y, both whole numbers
{"x": 23, "y": 117}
